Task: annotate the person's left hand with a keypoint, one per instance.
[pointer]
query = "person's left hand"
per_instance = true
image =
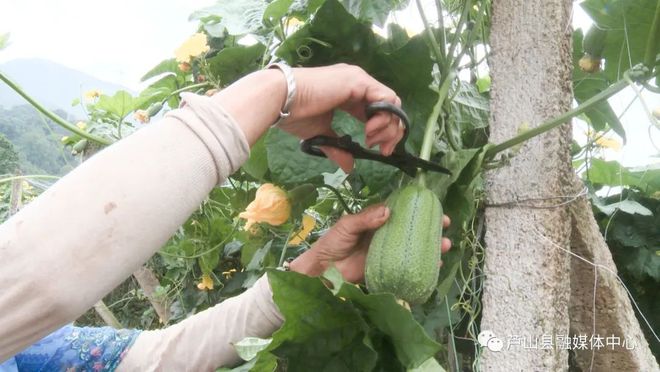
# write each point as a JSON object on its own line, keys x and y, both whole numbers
{"x": 346, "y": 245}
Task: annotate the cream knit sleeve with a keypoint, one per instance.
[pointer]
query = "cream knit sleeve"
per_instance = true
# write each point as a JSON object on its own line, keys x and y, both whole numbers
{"x": 94, "y": 227}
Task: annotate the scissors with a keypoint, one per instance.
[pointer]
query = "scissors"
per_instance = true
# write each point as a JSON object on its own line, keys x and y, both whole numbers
{"x": 400, "y": 158}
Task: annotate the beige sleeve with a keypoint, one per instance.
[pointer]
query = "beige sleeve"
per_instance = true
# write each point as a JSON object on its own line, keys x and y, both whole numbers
{"x": 93, "y": 228}
{"x": 203, "y": 342}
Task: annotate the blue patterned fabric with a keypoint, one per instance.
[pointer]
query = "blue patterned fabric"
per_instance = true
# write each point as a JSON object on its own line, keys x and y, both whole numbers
{"x": 74, "y": 349}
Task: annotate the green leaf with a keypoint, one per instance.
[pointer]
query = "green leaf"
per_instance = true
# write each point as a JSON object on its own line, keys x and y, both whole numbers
{"x": 288, "y": 164}
{"x": 375, "y": 11}
{"x": 230, "y": 64}
{"x": 459, "y": 205}
{"x": 256, "y": 263}
{"x": 483, "y": 84}
{"x": 320, "y": 331}
{"x": 245, "y": 367}
{"x": 276, "y": 10}
{"x": 120, "y": 104}
{"x": 236, "y": 17}
{"x": 627, "y": 206}
{"x": 411, "y": 344}
{"x": 4, "y": 40}
{"x": 257, "y": 164}
{"x": 168, "y": 66}
{"x": 301, "y": 198}
{"x": 611, "y": 173}
{"x": 430, "y": 365}
{"x": 470, "y": 110}
{"x": 628, "y": 24}
{"x": 248, "y": 347}
{"x": 587, "y": 85}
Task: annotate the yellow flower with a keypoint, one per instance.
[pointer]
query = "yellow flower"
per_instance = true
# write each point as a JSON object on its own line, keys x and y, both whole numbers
{"x": 270, "y": 205}
{"x": 193, "y": 47}
{"x": 206, "y": 283}
{"x": 64, "y": 139}
{"x": 608, "y": 143}
{"x": 142, "y": 116}
{"x": 81, "y": 125}
{"x": 92, "y": 94}
{"x": 308, "y": 223}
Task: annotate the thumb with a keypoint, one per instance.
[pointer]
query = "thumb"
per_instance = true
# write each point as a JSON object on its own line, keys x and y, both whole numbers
{"x": 368, "y": 219}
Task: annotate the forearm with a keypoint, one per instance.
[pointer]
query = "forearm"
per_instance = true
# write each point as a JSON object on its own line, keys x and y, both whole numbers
{"x": 93, "y": 228}
{"x": 204, "y": 342}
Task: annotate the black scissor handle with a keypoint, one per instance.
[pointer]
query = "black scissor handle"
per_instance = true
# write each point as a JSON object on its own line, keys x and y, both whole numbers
{"x": 373, "y": 108}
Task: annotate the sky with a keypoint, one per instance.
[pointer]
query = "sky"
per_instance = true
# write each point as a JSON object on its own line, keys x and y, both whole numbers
{"x": 118, "y": 41}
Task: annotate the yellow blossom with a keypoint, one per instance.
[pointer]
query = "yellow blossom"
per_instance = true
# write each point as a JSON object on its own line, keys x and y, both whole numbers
{"x": 64, "y": 138}
{"x": 81, "y": 125}
{"x": 308, "y": 223}
{"x": 270, "y": 205}
{"x": 206, "y": 283}
{"x": 92, "y": 94}
{"x": 609, "y": 143}
{"x": 193, "y": 47}
{"x": 142, "y": 116}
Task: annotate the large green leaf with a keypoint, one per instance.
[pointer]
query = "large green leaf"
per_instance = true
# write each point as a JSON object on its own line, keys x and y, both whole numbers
{"x": 230, "y": 64}
{"x": 257, "y": 164}
{"x": 411, "y": 344}
{"x": 348, "y": 331}
{"x": 587, "y": 85}
{"x": 375, "y": 11}
{"x": 628, "y": 24}
{"x": 289, "y": 165}
{"x": 168, "y": 66}
{"x": 320, "y": 331}
{"x": 611, "y": 173}
{"x": 120, "y": 104}
{"x": 236, "y": 17}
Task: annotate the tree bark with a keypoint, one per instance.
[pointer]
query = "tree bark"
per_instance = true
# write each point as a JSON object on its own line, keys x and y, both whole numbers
{"x": 599, "y": 303}
{"x": 526, "y": 290}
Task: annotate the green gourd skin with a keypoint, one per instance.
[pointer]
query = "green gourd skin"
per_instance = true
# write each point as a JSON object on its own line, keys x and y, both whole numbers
{"x": 404, "y": 254}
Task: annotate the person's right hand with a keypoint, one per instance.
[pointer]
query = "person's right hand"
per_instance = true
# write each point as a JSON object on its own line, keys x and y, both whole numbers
{"x": 320, "y": 90}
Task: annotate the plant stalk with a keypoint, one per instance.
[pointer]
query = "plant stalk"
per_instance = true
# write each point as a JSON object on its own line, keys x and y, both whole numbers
{"x": 51, "y": 115}
{"x": 437, "y": 51}
{"x": 555, "y": 122}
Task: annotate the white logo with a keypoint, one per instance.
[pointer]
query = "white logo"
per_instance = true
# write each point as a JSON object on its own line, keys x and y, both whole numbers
{"x": 487, "y": 339}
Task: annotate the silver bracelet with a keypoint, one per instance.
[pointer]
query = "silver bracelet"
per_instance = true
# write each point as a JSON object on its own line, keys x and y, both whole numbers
{"x": 290, "y": 87}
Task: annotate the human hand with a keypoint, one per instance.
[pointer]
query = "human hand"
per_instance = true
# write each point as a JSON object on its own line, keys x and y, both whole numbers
{"x": 321, "y": 90}
{"x": 345, "y": 245}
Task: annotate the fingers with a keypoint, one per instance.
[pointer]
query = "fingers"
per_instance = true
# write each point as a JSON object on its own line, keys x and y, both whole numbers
{"x": 445, "y": 246}
{"x": 368, "y": 219}
{"x": 445, "y": 221}
{"x": 342, "y": 158}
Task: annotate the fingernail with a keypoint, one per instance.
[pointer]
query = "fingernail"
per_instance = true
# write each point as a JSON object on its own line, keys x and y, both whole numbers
{"x": 384, "y": 211}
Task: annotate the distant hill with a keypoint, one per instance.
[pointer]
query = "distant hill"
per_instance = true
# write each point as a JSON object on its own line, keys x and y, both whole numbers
{"x": 36, "y": 139}
{"x": 52, "y": 84}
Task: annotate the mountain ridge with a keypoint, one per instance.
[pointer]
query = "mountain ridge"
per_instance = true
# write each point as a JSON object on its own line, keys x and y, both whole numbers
{"x": 51, "y": 84}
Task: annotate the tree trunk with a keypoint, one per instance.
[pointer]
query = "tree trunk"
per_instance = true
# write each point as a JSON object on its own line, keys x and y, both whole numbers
{"x": 599, "y": 303}
{"x": 526, "y": 290}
